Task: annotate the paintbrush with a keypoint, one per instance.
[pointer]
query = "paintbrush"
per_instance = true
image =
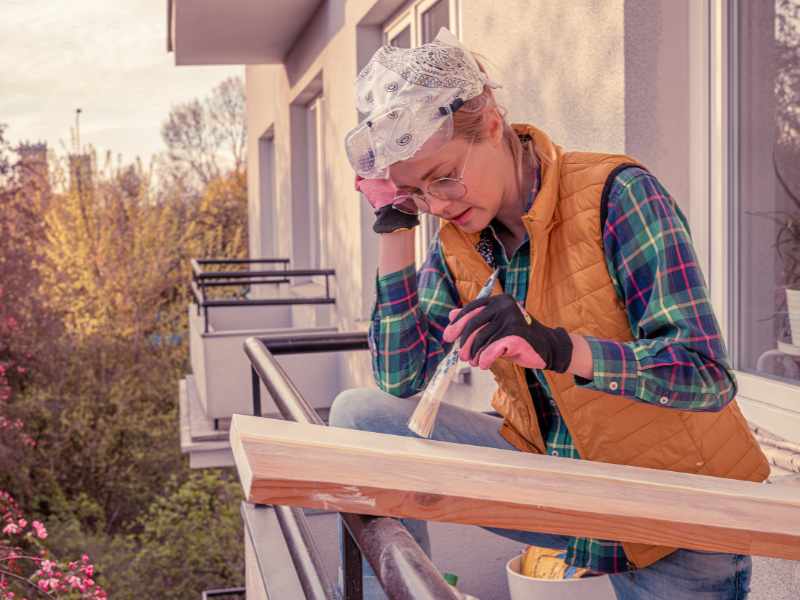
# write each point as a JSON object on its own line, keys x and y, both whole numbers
{"x": 424, "y": 417}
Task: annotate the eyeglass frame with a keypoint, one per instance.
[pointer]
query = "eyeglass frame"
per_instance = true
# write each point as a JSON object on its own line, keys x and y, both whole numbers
{"x": 420, "y": 195}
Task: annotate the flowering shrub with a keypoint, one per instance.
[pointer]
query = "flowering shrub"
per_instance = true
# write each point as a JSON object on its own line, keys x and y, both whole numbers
{"x": 26, "y": 568}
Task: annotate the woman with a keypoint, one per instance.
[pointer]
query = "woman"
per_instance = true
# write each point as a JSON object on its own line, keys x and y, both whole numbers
{"x": 600, "y": 333}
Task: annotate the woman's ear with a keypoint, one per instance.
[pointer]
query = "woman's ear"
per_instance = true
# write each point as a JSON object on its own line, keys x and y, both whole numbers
{"x": 494, "y": 128}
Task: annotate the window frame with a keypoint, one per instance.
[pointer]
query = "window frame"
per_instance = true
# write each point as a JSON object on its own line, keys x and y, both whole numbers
{"x": 314, "y": 126}
{"x": 410, "y": 15}
{"x": 770, "y": 403}
{"x": 267, "y": 196}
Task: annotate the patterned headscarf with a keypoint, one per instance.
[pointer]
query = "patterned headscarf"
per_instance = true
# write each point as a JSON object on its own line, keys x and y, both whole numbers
{"x": 409, "y": 96}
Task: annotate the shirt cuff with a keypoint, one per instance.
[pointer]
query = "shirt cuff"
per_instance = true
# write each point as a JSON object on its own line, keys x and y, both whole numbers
{"x": 617, "y": 370}
{"x": 396, "y": 292}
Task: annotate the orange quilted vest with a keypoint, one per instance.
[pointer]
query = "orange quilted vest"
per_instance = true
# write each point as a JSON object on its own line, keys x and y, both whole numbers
{"x": 570, "y": 287}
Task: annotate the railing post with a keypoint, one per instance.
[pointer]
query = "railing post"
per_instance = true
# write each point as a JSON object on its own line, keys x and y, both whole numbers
{"x": 351, "y": 558}
{"x": 256, "y": 392}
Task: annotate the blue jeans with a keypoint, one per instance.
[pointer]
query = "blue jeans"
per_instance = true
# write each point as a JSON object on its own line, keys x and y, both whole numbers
{"x": 684, "y": 574}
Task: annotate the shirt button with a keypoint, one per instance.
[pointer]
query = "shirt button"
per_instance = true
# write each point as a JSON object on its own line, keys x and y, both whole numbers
{"x": 663, "y": 399}
{"x": 554, "y": 452}
{"x": 613, "y": 386}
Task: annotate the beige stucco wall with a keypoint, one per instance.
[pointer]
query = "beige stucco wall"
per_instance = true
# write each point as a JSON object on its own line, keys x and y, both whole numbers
{"x": 561, "y": 69}
{"x": 602, "y": 75}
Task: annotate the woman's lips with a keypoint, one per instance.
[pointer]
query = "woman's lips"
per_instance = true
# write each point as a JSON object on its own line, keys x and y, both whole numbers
{"x": 463, "y": 217}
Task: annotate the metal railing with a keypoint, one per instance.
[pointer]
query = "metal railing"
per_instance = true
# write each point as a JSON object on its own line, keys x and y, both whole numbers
{"x": 202, "y": 279}
{"x": 206, "y": 594}
{"x": 403, "y": 569}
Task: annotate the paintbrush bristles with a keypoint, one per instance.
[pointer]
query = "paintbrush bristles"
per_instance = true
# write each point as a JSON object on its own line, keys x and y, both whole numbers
{"x": 423, "y": 418}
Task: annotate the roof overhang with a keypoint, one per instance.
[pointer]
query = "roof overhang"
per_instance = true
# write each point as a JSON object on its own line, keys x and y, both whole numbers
{"x": 235, "y": 32}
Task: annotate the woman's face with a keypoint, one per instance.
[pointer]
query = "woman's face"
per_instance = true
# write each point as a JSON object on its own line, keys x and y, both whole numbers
{"x": 482, "y": 171}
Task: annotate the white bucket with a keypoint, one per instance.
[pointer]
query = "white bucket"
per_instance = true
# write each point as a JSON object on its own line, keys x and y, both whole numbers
{"x": 531, "y": 588}
{"x": 793, "y": 304}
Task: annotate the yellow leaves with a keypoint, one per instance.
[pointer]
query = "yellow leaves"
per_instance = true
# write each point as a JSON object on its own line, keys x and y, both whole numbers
{"x": 117, "y": 256}
{"x": 219, "y": 228}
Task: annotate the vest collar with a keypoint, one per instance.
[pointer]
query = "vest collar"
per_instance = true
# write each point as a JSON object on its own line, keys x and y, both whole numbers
{"x": 541, "y": 212}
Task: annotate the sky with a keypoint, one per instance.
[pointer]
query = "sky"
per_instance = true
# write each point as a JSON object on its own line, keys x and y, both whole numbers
{"x": 107, "y": 57}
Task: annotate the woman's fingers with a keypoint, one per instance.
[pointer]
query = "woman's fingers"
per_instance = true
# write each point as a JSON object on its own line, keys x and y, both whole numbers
{"x": 513, "y": 348}
{"x": 453, "y": 331}
{"x": 466, "y": 347}
{"x": 470, "y": 306}
{"x": 491, "y": 353}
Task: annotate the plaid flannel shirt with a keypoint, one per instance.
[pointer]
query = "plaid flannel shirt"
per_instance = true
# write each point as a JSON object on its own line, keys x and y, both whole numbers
{"x": 677, "y": 360}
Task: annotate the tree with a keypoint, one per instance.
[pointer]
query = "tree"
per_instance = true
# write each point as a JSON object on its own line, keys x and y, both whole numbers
{"x": 190, "y": 540}
{"x": 107, "y": 265}
{"x": 203, "y": 135}
{"x": 26, "y": 565}
{"x": 219, "y": 225}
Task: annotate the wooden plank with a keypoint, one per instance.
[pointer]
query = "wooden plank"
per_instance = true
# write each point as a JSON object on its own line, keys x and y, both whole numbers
{"x": 280, "y": 462}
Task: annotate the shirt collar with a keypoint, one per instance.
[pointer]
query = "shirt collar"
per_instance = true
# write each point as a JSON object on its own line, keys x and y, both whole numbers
{"x": 528, "y": 203}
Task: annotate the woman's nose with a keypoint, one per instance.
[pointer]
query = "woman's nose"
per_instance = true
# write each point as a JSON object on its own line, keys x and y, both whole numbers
{"x": 437, "y": 205}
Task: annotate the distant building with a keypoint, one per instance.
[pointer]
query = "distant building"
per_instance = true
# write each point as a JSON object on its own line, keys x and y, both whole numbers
{"x": 33, "y": 167}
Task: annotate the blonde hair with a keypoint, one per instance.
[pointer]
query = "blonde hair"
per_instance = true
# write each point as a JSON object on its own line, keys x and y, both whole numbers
{"x": 470, "y": 122}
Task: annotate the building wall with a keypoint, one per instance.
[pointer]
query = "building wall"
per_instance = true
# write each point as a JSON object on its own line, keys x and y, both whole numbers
{"x": 602, "y": 75}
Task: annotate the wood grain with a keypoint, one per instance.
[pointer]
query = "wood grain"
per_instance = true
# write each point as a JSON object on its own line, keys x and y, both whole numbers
{"x": 313, "y": 466}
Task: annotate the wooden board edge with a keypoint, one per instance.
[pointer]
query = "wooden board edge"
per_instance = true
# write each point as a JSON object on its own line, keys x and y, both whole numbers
{"x": 243, "y": 467}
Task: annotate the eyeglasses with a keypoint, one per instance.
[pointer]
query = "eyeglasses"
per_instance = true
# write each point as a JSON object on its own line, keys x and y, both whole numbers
{"x": 450, "y": 189}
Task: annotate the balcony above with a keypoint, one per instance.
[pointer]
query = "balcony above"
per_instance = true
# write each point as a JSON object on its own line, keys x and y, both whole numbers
{"x": 235, "y": 32}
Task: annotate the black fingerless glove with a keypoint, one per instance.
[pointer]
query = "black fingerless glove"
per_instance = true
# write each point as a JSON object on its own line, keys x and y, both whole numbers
{"x": 502, "y": 316}
{"x": 390, "y": 219}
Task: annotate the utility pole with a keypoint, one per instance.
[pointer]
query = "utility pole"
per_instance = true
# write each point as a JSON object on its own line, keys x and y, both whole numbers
{"x": 78, "y": 130}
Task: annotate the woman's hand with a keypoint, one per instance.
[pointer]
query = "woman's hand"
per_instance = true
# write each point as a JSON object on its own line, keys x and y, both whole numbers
{"x": 380, "y": 194}
{"x": 498, "y": 326}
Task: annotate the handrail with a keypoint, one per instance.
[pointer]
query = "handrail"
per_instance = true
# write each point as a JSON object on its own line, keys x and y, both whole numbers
{"x": 403, "y": 569}
{"x": 239, "y": 591}
{"x": 202, "y": 280}
{"x": 240, "y": 261}
{"x": 270, "y": 273}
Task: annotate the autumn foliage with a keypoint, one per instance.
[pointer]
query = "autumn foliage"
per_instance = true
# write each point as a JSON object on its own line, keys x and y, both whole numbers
{"x": 94, "y": 285}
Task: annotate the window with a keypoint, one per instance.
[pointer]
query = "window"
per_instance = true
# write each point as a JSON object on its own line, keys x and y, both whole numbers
{"x": 418, "y": 23}
{"x": 764, "y": 219}
{"x": 749, "y": 111}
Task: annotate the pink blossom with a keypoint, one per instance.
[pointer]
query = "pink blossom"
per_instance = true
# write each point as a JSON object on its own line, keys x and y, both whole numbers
{"x": 11, "y": 529}
{"x": 22, "y": 523}
{"x": 85, "y": 558}
{"x": 41, "y": 532}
